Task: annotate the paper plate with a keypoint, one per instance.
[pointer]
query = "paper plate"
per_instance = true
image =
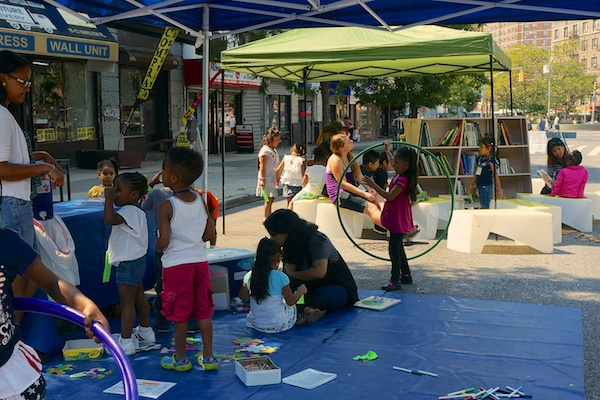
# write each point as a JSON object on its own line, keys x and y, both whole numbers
{"x": 309, "y": 378}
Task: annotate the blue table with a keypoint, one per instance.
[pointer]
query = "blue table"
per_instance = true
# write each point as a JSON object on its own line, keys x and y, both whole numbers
{"x": 85, "y": 220}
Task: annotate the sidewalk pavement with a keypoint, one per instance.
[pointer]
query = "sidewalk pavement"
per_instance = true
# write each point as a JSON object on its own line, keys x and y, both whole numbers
{"x": 240, "y": 172}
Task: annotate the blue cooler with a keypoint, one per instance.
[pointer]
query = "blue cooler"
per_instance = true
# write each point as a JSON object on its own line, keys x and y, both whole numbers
{"x": 43, "y": 208}
{"x": 237, "y": 262}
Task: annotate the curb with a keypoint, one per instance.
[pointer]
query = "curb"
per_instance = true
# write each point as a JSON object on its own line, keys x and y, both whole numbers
{"x": 238, "y": 201}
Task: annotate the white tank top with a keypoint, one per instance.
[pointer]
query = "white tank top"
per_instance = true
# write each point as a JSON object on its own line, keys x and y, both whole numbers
{"x": 187, "y": 227}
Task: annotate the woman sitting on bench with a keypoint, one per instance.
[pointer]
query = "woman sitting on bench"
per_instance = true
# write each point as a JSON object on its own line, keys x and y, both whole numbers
{"x": 350, "y": 196}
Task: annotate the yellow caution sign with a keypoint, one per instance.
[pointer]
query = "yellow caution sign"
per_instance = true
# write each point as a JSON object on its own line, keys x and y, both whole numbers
{"x": 161, "y": 53}
{"x": 183, "y": 140}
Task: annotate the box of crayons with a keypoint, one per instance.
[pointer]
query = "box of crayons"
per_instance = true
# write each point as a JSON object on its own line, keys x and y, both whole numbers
{"x": 257, "y": 371}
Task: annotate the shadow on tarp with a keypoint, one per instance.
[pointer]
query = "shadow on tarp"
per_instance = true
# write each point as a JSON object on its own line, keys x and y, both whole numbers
{"x": 468, "y": 342}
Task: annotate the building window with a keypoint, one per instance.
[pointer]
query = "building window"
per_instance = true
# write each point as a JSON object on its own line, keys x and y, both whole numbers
{"x": 575, "y": 30}
{"x": 594, "y": 63}
{"x": 594, "y": 43}
{"x": 566, "y": 32}
{"x": 584, "y": 45}
{"x": 597, "y": 24}
{"x": 584, "y": 27}
{"x": 279, "y": 113}
{"x": 556, "y": 34}
{"x": 584, "y": 63}
{"x": 64, "y": 107}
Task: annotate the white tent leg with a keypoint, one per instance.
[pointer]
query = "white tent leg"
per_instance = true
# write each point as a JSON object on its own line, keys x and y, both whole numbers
{"x": 205, "y": 93}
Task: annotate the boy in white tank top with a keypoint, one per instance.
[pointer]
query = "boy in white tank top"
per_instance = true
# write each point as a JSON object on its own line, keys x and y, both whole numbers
{"x": 184, "y": 230}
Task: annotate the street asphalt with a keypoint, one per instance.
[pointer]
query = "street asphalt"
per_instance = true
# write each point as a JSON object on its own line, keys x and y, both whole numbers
{"x": 569, "y": 277}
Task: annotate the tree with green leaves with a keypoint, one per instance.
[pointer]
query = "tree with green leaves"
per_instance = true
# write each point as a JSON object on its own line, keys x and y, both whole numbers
{"x": 569, "y": 81}
{"x": 455, "y": 91}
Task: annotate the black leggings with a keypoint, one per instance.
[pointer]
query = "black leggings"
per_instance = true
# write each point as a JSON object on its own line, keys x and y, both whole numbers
{"x": 398, "y": 256}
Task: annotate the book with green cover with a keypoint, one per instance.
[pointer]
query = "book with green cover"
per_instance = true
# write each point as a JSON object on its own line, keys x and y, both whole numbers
{"x": 378, "y": 303}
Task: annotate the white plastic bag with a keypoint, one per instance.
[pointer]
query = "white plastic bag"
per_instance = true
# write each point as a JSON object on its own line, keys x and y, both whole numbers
{"x": 57, "y": 249}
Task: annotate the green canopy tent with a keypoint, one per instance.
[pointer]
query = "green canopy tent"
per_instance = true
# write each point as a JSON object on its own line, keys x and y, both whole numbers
{"x": 345, "y": 53}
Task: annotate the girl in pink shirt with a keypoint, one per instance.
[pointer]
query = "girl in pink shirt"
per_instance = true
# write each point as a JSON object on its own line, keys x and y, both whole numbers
{"x": 571, "y": 180}
{"x": 397, "y": 214}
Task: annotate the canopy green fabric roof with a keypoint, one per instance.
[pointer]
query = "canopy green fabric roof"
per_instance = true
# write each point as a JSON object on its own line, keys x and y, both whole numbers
{"x": 342, "y": 53}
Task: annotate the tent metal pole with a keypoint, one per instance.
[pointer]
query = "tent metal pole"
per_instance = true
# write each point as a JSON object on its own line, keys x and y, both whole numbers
{"x": 494, "y": 127}
{"x": 304, "y": 74}
{"x": 510, "y": 85}
{"x": 205, "y": 93}
{"x": 223, "y": 144}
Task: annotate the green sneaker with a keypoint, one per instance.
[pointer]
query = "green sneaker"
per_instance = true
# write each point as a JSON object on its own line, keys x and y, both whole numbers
{"x": 168, "y": 362}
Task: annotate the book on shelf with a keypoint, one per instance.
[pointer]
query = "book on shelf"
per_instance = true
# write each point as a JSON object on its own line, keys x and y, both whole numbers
{"x": 457, "y": 136}
{"x": 504, "y": 135}
{"x": 468, "y": 161}
{"x": 425, "y": 136}
{"x": 471, "y": 135}
{"x": 505, "y": 167}
{"x": 378, "y": 303}
{"x": 451, "y": 137}
{"x": 446, "y": 163}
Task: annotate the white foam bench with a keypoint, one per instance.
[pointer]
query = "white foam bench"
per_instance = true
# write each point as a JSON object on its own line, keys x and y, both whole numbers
{"x": 555, "y": 211}
{"x": 576, "y": 213}
{"x": 307, "y": 208}
{"x": 595, "y": 197}
{"x": 329, "y": 223}
{"x": 470, "y": 229}
{"x": 429, "y": 215}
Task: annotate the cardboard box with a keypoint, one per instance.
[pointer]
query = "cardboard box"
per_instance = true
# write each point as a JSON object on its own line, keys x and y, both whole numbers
{"x": 82, "y": 349}
{"x": 219, "y": 280}
{"x": 257, "y": 371}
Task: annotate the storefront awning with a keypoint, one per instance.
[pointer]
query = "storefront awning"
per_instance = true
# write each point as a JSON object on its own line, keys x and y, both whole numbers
{"x": 34, "y": 28}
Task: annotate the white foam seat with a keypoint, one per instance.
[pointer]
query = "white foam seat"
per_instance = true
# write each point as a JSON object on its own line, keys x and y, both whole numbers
{"x": 555, "y": 211}
{"x": 329, "y": 223}
{"x": 307, "y": 208}
{"x": 576, "y": 213}
{"x": 430, "y": 214}
{"x": 469, "y": 229}
{"x": 595, "y": 197}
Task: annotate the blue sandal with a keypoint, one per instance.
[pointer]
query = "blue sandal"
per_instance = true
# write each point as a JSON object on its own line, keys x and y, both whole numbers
{"x": 210, "y": 363}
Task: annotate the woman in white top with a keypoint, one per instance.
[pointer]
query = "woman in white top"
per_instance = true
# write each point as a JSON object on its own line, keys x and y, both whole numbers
{"x": 272, "y": 303}
{"x": 268, "y": 160}
{"x": 17, "y": 167}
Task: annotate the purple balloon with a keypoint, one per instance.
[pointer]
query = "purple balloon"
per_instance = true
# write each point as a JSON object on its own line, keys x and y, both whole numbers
{"x": 69, "y": 314}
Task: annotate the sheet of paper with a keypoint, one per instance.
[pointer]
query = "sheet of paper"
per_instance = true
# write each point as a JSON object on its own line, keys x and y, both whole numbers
{"x": 146, "y": 388}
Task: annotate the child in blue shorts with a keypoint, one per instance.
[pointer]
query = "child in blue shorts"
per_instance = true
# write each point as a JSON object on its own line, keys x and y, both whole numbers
{"x": 127, "y": 248}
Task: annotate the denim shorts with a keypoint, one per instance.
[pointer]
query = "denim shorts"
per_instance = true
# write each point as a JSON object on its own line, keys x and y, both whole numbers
{"x": 290, "y": 191}
{"x": 17, "y": 214}
{"x": 130, "y": 273}
{"x": 353, "y": 202}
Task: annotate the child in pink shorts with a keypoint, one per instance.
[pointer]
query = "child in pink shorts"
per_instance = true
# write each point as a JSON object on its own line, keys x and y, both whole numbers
{"x": 184, "y": 228}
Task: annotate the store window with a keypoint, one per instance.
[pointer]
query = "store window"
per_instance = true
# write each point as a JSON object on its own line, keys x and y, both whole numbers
{"x": 142, "y": 121}
{"x": 279, "y": 113}
{"x": 64, "y": 107}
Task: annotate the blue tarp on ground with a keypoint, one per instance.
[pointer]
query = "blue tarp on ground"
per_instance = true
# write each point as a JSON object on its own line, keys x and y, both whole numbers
{"x": 468, "y": 342}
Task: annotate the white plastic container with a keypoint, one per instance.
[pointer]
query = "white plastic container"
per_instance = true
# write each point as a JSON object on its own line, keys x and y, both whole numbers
{"x": 257, "y": 371}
